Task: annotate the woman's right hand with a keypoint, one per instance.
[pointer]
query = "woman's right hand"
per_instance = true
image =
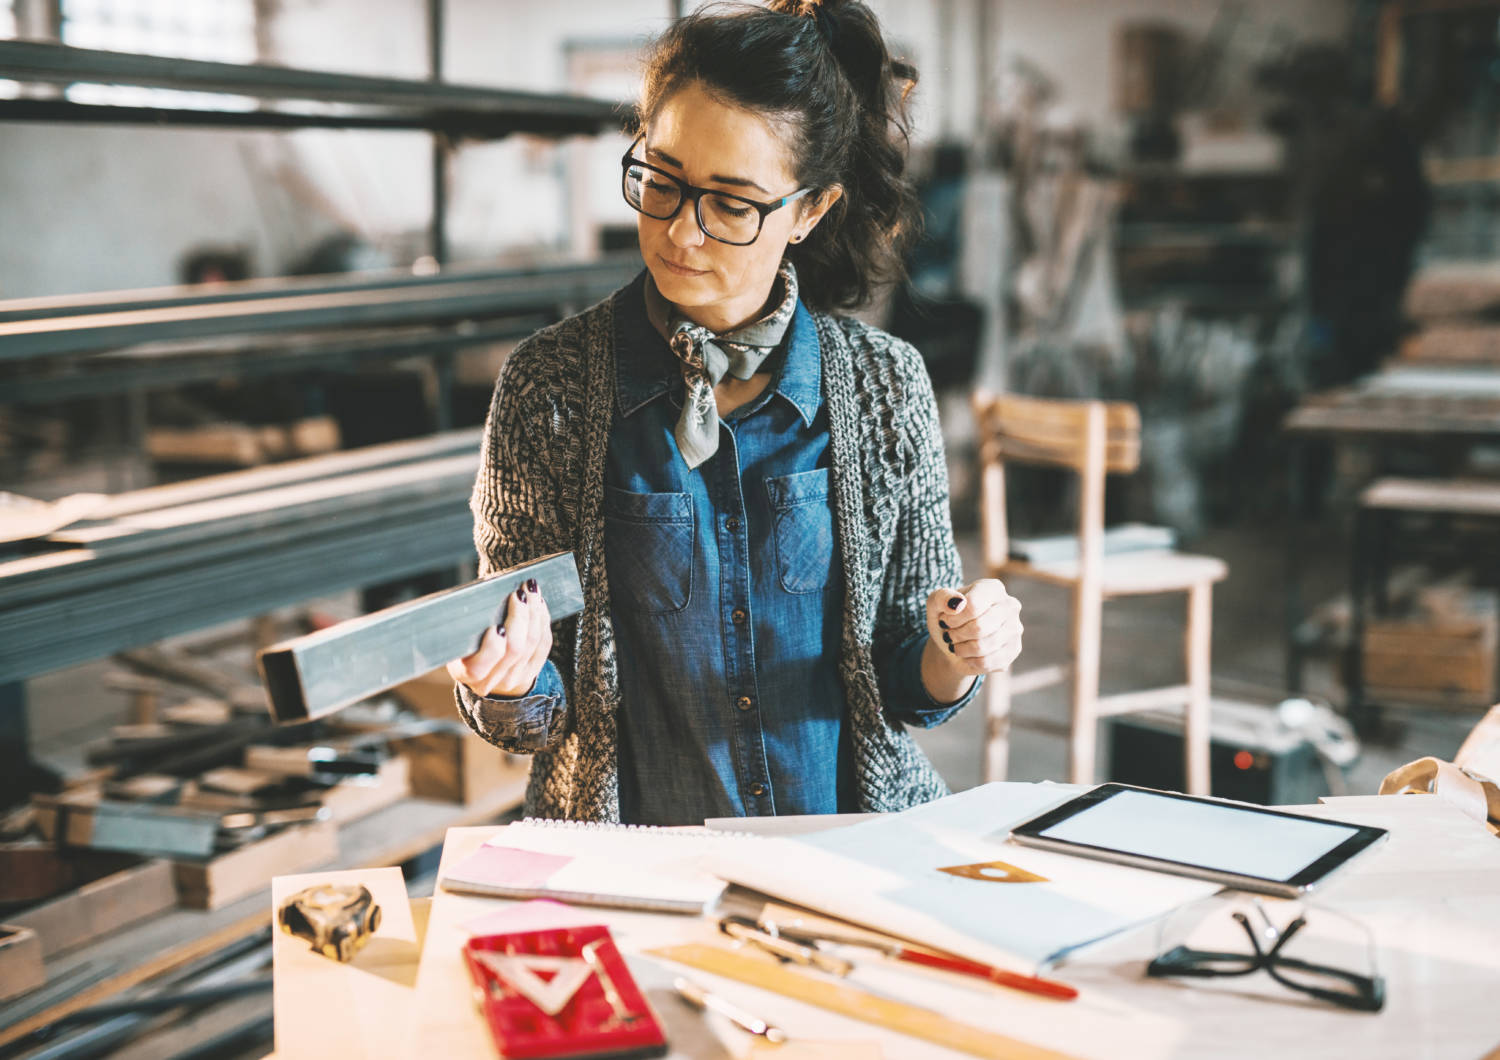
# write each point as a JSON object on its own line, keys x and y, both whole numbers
{"x": 512, "y": 654}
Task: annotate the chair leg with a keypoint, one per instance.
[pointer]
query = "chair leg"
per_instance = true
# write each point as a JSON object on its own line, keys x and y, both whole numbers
{"x": 1083, "y": 742}
{"x": 1196, "y": 737}
{"x": 996, "y": 726}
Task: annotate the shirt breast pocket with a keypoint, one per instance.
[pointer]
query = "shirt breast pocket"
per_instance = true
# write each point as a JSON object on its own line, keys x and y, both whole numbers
{"x": 802, "y": 525}
{"x": 648, "y": 544}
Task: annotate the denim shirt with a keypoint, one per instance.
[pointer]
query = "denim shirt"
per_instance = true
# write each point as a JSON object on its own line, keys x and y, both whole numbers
{"x": 726, "y": 596}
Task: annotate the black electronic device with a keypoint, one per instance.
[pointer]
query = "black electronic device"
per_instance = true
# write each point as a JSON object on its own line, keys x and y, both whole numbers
{"x": 1246, "y": 847}
{"x": 1252, "y": 757}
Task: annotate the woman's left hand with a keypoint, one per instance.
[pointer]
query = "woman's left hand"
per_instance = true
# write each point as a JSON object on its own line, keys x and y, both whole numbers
{"x": 978, "y": 627}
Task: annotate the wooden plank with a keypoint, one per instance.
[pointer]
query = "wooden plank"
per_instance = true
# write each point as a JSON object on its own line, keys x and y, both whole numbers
{"x": 1454, "y": 344}
{"x": 107, "y": 904}
{"x": 21, "y": 969}
{"x": 1197, "y": 734}
{"x": 1453, "y": 289}
{"x": 923, "y": 1023}
{"x": 1447, "y": 496}
{"x": 219, "y": 881}
{"x": 1147, "y": 699}
{"x": 312, "y": 676}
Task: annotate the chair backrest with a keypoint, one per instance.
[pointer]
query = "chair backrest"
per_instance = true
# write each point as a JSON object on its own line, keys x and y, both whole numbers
{"x": 1055, "y": 432}
{"x": 1091, "y": 438}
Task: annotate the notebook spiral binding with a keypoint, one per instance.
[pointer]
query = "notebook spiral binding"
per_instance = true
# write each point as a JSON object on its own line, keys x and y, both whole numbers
{"x": 654, "y": 829}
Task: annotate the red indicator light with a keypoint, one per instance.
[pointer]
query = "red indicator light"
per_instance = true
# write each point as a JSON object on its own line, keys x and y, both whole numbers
{"x": 1243, "y": 760}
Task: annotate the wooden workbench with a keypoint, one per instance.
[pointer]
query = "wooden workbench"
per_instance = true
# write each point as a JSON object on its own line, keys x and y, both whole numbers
{"x": 1431, "y": 895}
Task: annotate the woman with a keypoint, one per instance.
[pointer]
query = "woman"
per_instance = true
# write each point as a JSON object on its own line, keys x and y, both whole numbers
{"x": 754, "y": 488}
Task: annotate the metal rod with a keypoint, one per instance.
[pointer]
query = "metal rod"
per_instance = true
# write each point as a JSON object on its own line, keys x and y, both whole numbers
{"x": 605, "y": 269}
{"x": 24, "y": 60}
{"x": 441, "y": 146}
{"x": 165, "y": 1002}
{"x": 484, "y": 299}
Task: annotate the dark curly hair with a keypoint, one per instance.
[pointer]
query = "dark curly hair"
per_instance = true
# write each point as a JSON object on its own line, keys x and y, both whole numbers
{"x": 846, "y": 123}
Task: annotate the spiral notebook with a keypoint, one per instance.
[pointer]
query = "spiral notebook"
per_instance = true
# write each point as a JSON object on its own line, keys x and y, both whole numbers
{"x": 625, "y": 866}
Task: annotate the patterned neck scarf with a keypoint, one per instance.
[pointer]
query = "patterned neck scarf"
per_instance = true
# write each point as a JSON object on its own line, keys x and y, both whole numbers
{"x": 707, "y": 358}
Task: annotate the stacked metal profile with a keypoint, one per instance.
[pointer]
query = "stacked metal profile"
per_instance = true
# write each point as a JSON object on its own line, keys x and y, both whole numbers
{"x": 55, "y": 348}
{"x": 170, "y": 559}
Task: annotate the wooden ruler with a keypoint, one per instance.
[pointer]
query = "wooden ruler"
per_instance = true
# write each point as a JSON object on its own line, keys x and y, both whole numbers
{"x": 858, "y": 1004}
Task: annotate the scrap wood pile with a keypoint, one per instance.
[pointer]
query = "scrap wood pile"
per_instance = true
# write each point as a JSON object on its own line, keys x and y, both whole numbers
{"x": 207, "y": 784}
{"x": 1455, "y": 307}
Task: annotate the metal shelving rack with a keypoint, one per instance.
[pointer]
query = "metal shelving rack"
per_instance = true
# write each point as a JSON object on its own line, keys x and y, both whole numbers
{"x": 53, "y": 349}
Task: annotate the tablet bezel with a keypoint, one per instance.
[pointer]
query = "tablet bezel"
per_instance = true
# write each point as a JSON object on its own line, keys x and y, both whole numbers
{"x": 1365, "y": 837}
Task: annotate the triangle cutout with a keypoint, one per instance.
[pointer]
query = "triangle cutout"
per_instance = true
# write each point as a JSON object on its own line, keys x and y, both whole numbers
{"x": 520, "y": 973}
{"x": 994, "y": 872}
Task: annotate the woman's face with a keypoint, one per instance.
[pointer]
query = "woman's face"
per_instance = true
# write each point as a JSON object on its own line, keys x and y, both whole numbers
{"x": 712, "y": 145}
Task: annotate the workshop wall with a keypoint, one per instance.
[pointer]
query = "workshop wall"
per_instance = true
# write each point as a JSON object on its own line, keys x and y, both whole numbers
{"x": 1072, "y": 42}
{"x": 277, "y": 196}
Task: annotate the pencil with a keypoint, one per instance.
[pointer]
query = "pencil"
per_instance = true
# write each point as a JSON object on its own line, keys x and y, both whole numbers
{"x": 1031, "y": 984}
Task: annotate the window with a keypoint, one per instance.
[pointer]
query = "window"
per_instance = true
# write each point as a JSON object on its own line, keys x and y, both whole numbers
{"x": 8, "y": 89}
{"x": 218, "y": 30}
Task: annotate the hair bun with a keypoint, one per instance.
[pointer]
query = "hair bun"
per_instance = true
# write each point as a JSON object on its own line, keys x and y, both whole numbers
{"x": 828, "y": 25}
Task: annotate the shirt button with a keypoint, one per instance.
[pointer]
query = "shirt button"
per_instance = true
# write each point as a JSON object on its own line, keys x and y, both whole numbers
{"x": 738, "y": 615}
{"x": 757, "y": 790}
{"x": 743, "y": 703}
{"x": 732, "y": 524}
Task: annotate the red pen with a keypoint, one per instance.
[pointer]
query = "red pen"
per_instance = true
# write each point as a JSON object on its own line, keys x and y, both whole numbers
{"x": 1030, "y": 984}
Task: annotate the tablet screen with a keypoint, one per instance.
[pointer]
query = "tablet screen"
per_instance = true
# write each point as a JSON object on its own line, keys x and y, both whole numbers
{"x": 1218, "y": 836}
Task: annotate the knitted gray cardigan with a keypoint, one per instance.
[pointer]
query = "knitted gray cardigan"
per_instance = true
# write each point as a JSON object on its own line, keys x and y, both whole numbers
{"x": 540, "y": 488}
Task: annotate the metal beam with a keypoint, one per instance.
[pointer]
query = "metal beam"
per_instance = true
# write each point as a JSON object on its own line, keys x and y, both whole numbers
{"x": 324, "y": 671}
{"x": 97, "y": 620}
{"x": 116, "y": 372}
{"x": 441, "y": 105}
{"x": 611, "y": 268}
{"x": 281, "y": 312}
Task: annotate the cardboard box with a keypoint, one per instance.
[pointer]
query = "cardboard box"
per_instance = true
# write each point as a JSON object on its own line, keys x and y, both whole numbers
{"x": 218, "y": 881}
{"x": 104, "y": 905}
{"x": 458, "y": 767}
{"x": 430, "y": 695}
{"x": 1440, "y": 654}
{"x": 451, "y": 767}
{"x": 21, "y": 968}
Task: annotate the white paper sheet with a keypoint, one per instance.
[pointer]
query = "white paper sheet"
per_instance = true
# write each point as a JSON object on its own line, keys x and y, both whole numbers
{"x": 884, "y": 873}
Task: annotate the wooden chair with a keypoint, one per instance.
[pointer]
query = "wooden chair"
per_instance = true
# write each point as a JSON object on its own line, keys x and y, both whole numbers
{"x": 1092, "y": 439}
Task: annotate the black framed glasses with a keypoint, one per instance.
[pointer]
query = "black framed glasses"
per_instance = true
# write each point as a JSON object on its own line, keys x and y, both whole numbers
{"x": 1293, "y": 955}
{"x": 727, "y": 218}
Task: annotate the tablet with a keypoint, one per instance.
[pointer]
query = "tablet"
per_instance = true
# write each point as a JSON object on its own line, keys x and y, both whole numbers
{"x": 1233, "y": 843}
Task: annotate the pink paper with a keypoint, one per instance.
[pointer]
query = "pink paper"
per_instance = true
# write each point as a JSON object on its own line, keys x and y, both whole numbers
{"x": 541, "y": 914}
{"x": 508, "y": 867}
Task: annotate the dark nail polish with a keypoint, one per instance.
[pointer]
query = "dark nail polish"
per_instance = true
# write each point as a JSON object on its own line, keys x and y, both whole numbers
{"x": 952, "y": 649}
{"x": 500, "y": 631}
{"x": 942, "y": 623}
{"x": 947, "y": 639}
{"x": 955, "y": 602}
{"x": 531, "y": 585}
{"x": 521, "y": 595}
